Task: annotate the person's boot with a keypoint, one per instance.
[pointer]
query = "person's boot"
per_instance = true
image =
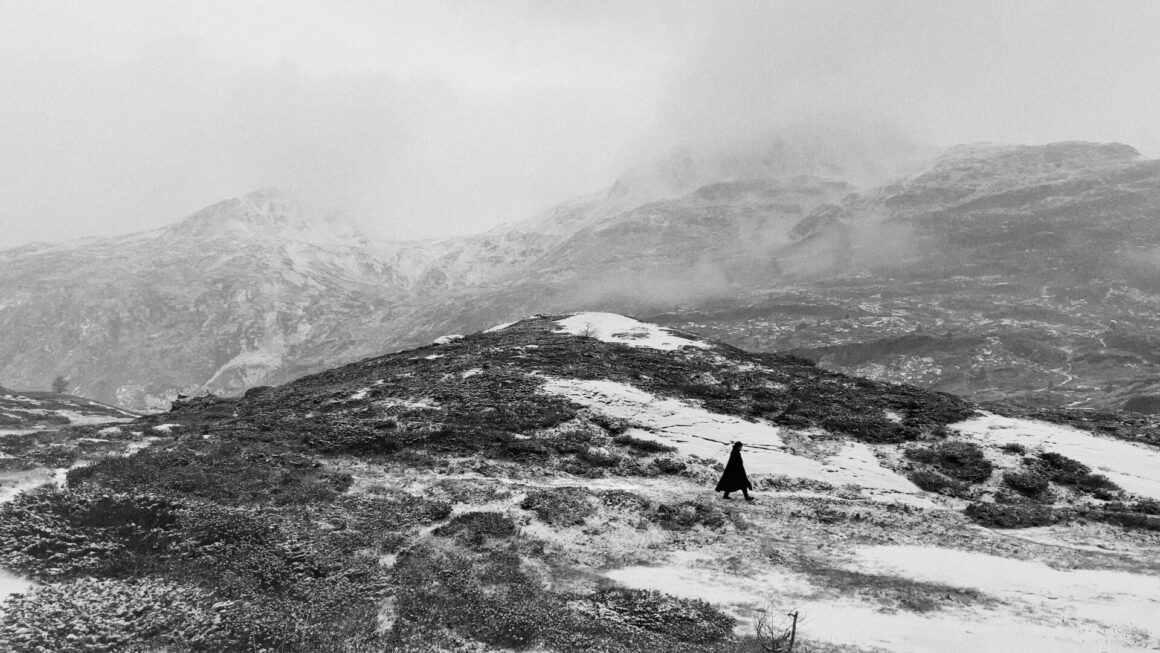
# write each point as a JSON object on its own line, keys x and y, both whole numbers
{"x": 725, "y": 496}
{"x": 747, "y": 497}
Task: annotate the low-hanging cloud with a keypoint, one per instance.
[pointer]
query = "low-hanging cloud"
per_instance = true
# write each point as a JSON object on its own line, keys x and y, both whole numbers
{"x": 448, "y": 117}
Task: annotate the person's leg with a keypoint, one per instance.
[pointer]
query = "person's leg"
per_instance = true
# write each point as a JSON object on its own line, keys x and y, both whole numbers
{"x": 745, "y": 492}
{"x": 726, "y": 496}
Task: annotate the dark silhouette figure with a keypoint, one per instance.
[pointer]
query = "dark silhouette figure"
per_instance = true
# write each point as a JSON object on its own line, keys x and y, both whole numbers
{"x": 734, "y": 478}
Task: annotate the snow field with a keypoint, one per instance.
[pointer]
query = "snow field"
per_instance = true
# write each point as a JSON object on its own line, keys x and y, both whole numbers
{"x": 1134, "y": 467}
{"x": 610, "y": 327}
{"x": 697, "y": 432}
{"x": 1043, "y": 609}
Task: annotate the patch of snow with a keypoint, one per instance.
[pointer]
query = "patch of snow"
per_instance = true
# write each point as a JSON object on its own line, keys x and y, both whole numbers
{"x": 12, "y": 584}
{"x": 433, "y": 357}
{"x": 1134, "y": 467}
{"x": 165, "y": 428}
{"x": 110, "y": 430}
{"x": 610, "y": 327}
{"x": 78, "y": 418}
{"x": 893, "y": 416}
{"x": 134, "y": 447}
{"x": 360, "y": 395}
{"x": 472, "y": 372}
{"x": 424, "y": 404}
{"x": 1043, "y": 609}
{"x": 444, "y": 340}
{"x": 499, "y": 327}
{"x": 698, "y": 432}
{"x": 1115, "y": 601}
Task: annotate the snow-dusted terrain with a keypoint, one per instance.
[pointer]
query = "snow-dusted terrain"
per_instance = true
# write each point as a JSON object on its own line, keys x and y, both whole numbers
{"x": 1045, "y": 607}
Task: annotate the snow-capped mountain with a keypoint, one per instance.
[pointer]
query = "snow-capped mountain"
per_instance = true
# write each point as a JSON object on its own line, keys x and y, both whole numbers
{"x": 993, "y": 271}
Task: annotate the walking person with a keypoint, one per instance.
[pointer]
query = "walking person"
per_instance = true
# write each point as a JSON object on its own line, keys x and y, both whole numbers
{"x": 734, "y": 478}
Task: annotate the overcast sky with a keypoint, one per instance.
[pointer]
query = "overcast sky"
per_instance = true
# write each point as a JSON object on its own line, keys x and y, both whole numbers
{"x": 432, "y": 117}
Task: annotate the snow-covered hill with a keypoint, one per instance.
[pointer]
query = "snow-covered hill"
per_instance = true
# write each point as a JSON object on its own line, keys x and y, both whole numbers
{"x": 547, "y": 485}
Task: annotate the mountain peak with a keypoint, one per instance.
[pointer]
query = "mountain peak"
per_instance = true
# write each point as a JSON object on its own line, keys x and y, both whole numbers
{"x": 1049, "y": 159}
{"x": 268, "y": 212}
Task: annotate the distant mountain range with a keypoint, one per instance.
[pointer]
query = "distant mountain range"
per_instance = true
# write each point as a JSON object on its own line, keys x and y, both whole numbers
{"x": 996, "y": 272}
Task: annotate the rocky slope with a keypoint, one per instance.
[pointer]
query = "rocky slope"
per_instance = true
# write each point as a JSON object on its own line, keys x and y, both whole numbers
{"x": 546, "y": 485}
{"x": 1001, "y": 273}
{"x": 256, "y": 290}
{"x": 1010, "y": 273}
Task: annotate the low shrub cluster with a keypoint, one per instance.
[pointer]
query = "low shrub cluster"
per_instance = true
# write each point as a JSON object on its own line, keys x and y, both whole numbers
{"x": 998, "y": 515}
{"x": 624, "y": 500}
{"x": 1139, "y": 515}
{"x": 688, "y": 514}
{"x": 487, "y": 597}
{"x": 686, "y": 620}
{"x": 932, "y": 481}
{"x": 477, "y": 527}
{"x": 1125, "y": 517}
{"x": 643, "y": 445}
{"x": 286, "y": 581}
{"x": 669, "y": 465}
{"x": 105, "y": 615}
{"x": 1028, "y": 482}
{"x": 225, "y": 473}
{"x": 381, "y": 522}
{"x": 51, "y": 534}
{"x": 957, "y": 459}
{"x": 563, "y": 506}
{"x": 1067, "y": 471}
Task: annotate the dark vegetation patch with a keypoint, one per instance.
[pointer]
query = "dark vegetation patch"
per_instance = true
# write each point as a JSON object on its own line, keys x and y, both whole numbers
{"x": 1028, "y": 482}
{"x": 643, "y": 445}
{"x": 932, "y": 481}
{"x": 669, "y": 465}
{"x": 481, "y": 412}
{"x": 686, "y": 620}
{"x": 893, "y": 591}
{"x": 563, "y": 506}
{"x": 1029, "y": 514}
{"x": 477, "y": 527}
{"x": 111, "y": 615}
{"x": 963, "y": 461}
{"x": 486, "y": 596}
{"x": 1021, "y": 515}
{"x": 276, "y": 580}
{"x": 688, "y": 514}
{"x": 1067, "y": 471}
{"x": 624, "y": 500}
{"x": 224, "y": 472}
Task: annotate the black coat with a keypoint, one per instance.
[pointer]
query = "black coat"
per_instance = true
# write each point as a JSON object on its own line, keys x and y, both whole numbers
{"x": 734, "y": 478}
